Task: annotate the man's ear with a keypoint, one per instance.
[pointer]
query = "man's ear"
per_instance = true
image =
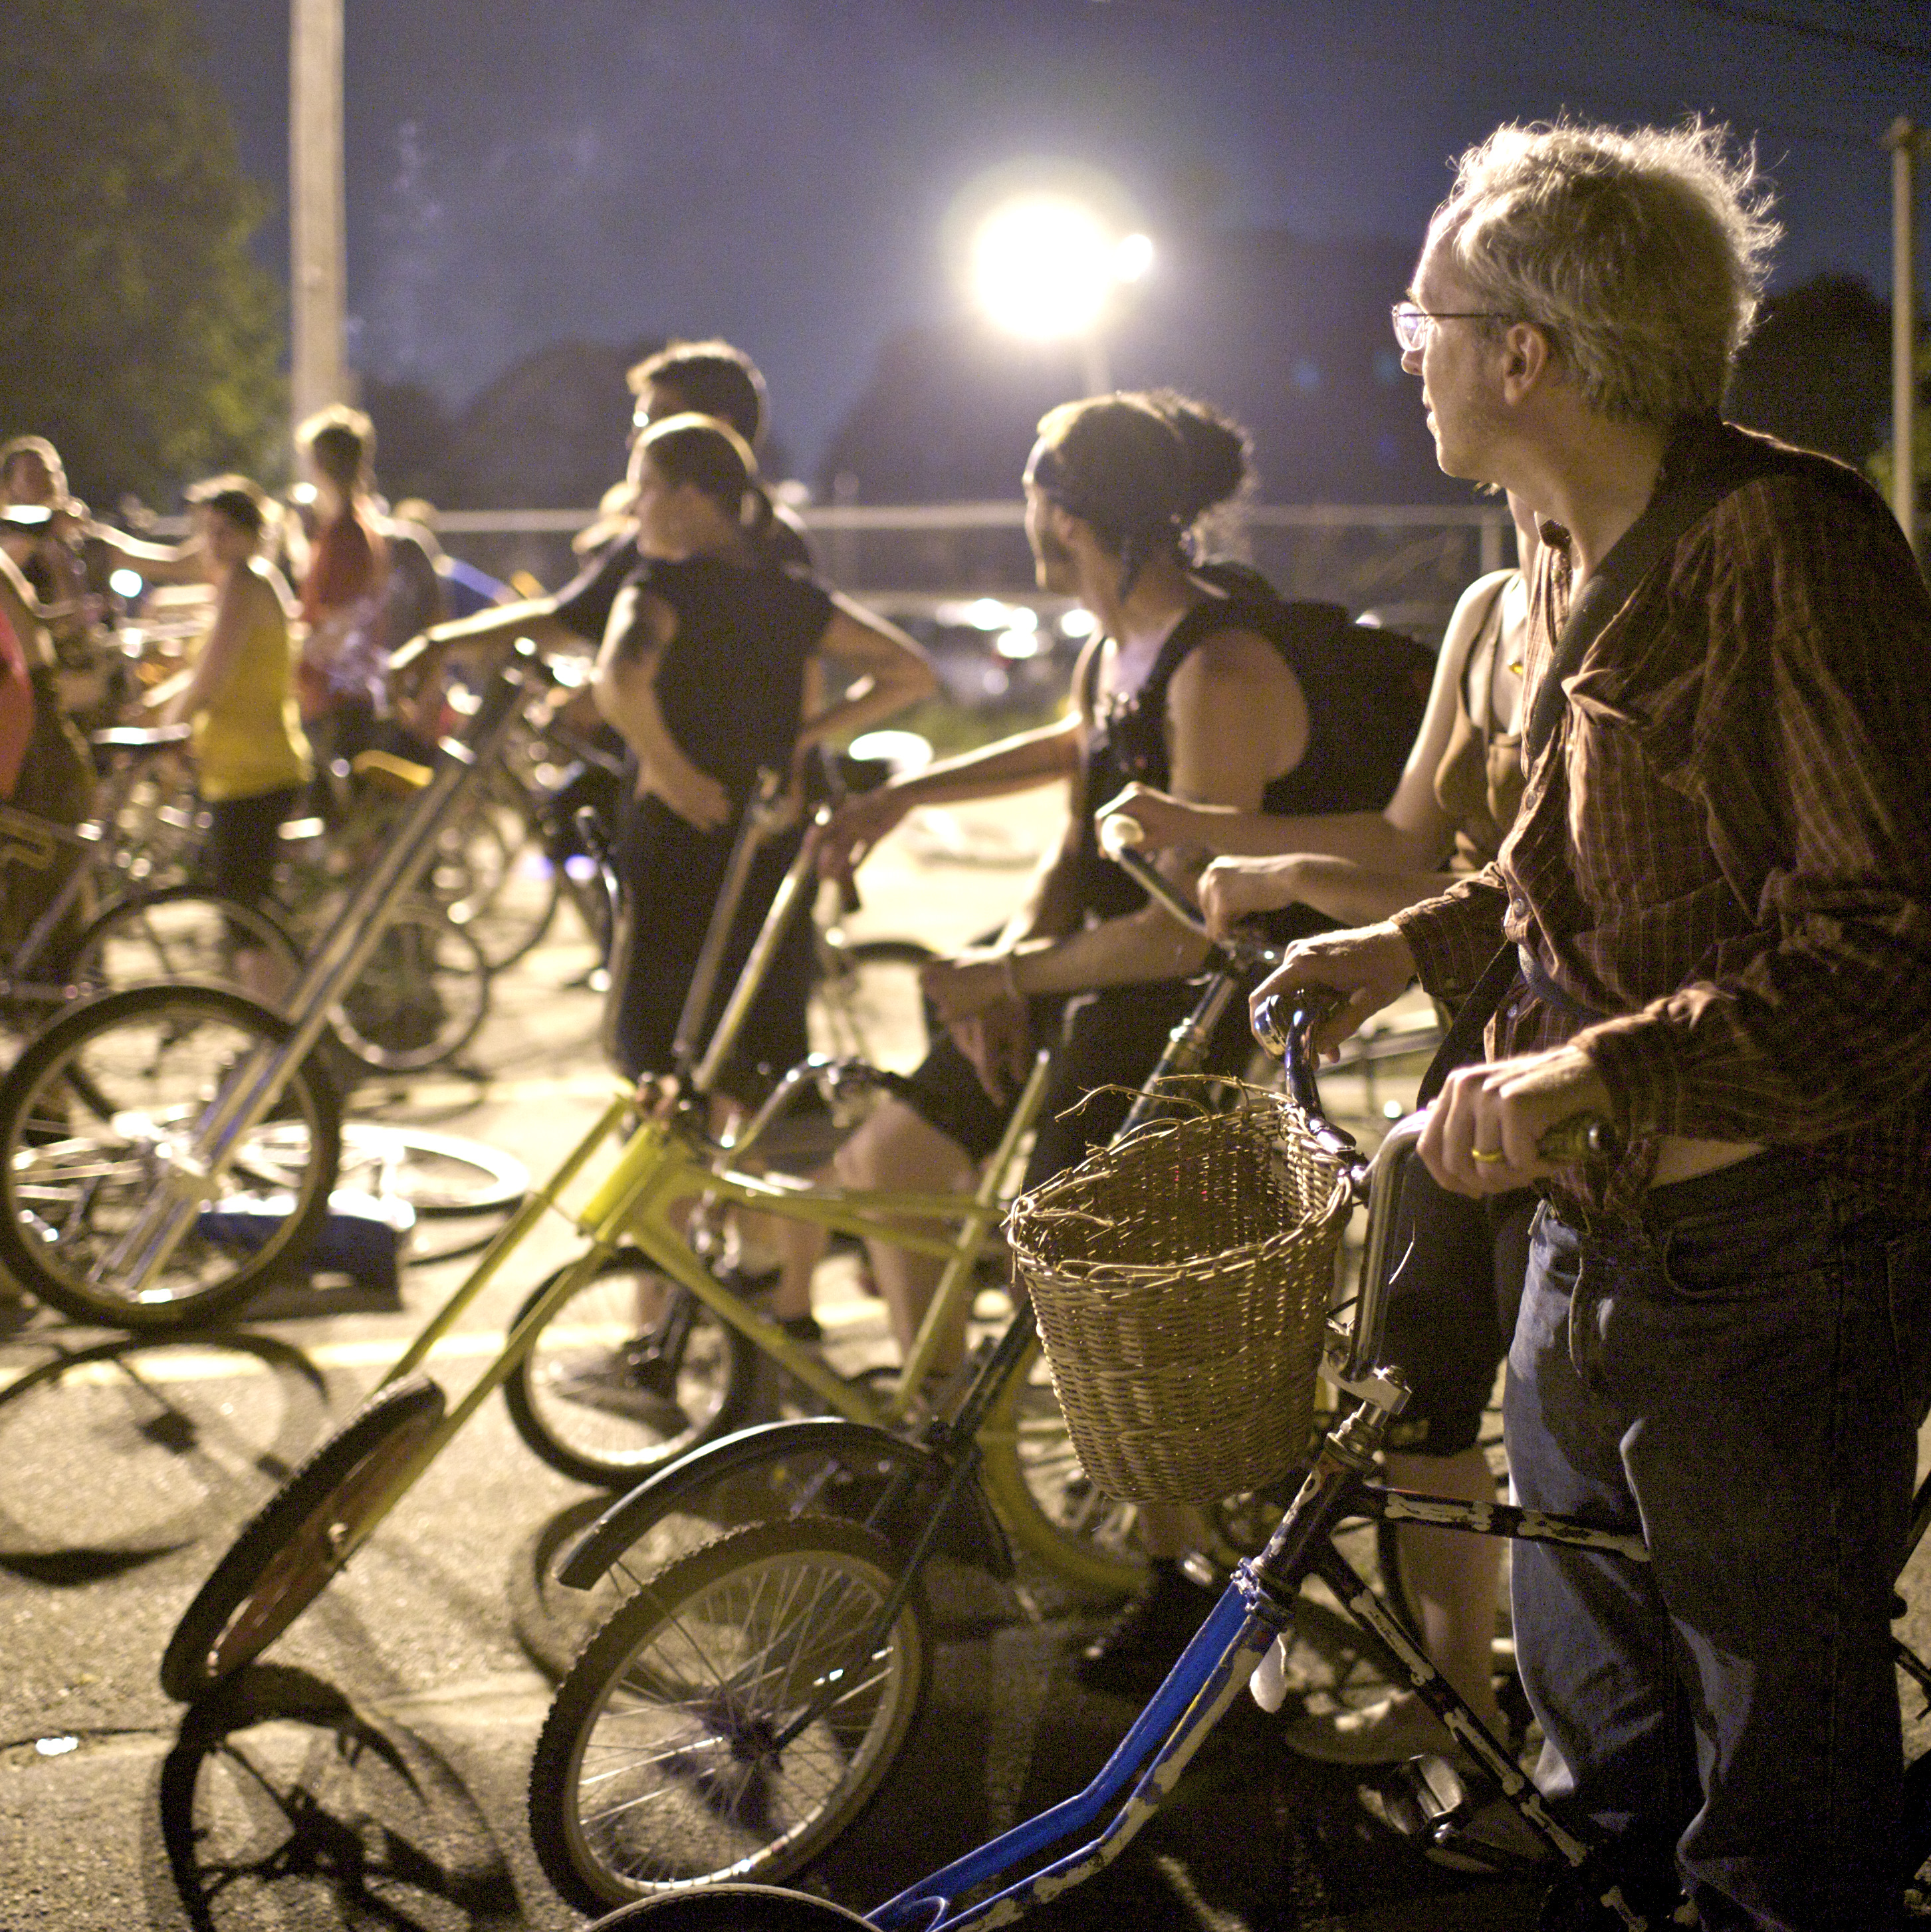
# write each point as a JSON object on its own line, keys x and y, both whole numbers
{"x": 1528, "y": 359}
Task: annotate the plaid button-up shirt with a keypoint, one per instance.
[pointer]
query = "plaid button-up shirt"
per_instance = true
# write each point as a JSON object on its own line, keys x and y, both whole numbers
{"x": 1725, "y": 845}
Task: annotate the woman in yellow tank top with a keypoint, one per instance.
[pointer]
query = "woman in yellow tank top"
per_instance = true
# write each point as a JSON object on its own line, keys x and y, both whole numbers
{"x": 251, "y": 757}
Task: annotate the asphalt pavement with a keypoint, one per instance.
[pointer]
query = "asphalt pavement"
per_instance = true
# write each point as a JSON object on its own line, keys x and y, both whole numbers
{"x": 371, "y": 1771}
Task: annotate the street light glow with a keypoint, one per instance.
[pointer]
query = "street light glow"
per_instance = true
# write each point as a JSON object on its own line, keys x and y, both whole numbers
{"x": 1044, "y": 266}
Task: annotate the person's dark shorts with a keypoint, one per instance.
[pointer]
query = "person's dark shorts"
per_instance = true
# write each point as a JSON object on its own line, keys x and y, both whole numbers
{"x": 1107, "y": 1040}
{"x": 1452, "y": 1308}
{"x": 244, "y": 842}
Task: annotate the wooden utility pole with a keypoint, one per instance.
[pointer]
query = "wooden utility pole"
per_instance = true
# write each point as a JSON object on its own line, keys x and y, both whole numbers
{"x": 1904, "y": 140}
{"x": 317, "y": 251}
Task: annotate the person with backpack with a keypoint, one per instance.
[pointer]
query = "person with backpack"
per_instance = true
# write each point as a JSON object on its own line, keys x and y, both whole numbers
{"x": 1198, "y": 681}
{"x": 1450, "y": 1313}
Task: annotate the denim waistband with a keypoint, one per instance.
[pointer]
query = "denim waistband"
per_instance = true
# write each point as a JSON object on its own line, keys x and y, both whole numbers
{"x": 1740, "y": 1184}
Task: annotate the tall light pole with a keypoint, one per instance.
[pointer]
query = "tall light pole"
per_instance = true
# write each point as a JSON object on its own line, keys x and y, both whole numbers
{"x": 1046, "y": 266}
{"x": 1904, "y": 140}
{"x": 318, "y": 255}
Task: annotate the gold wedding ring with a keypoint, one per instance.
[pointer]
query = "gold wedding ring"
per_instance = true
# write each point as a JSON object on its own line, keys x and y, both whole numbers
{"x": 1488, "y": 1159}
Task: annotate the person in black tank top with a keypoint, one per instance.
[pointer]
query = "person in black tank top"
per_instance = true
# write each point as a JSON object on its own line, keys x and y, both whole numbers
{"x": 1191, "y": 684}
{"x": 705, "y": 670}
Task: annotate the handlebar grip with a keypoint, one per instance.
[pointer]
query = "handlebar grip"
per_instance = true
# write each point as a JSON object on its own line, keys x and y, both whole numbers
{"x": 1579, "y": 1138}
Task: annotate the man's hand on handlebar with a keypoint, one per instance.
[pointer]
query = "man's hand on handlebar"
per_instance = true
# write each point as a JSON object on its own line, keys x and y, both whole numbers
{"x": 1484, "y": 1133}
{"x": 1370, "y": 967}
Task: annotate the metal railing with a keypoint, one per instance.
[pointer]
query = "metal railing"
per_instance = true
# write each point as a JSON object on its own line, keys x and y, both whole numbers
{"x": 1408, "y": 562}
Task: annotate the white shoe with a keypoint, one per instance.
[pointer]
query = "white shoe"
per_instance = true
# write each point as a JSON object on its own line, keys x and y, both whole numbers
{"x": 1398, "y": 1727}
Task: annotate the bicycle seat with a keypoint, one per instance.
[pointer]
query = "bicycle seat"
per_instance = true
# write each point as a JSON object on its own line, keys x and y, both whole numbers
{"x": 139, "y": 737}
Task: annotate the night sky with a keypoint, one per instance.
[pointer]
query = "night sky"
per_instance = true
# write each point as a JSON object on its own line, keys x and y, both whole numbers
{"x": 781, "y": 172}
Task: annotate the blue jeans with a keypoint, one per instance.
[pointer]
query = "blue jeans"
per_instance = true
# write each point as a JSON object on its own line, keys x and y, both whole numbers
{"x": 1739, "y": 1379}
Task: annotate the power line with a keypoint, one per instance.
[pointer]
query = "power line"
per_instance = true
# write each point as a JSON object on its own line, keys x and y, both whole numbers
{"x": 1842, "y": 36}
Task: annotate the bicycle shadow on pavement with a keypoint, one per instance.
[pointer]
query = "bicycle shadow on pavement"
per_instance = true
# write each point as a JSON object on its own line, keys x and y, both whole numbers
{"x": 282, "y": 1803}
{"x": 121, "y": 1452}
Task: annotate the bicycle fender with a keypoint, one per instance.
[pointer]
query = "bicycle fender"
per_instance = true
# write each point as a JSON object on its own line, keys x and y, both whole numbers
{"x": 973, "y": 1534}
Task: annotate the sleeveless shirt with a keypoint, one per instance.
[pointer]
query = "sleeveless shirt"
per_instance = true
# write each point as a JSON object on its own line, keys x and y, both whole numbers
{"x": 248, "y": 738}
{"x": 1364, "y": 689}
{"x": 1479, "y": 781}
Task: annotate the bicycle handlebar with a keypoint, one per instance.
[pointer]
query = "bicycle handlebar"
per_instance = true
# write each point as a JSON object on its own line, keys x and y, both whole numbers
{"x": 1119, "y": 839}
{"x": 1579, "y": 1138}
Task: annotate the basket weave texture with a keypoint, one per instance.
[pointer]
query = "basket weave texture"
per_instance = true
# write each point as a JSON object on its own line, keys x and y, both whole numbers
{"x": 1181, "y": 1278}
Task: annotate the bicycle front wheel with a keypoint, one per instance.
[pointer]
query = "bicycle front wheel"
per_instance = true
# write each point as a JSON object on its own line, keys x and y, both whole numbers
{"x": 1052, "y": 1508}
{"x": 659, "y": 1766}
{"x": 178, "y": 933}
{"x": 421, "y": 996}
{"x": 627, "y": 1374}
{"x": 97, "y": 1118}
{"x": 287, "y": 1553}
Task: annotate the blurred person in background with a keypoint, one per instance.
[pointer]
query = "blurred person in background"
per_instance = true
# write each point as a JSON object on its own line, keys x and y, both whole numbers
{"x": 342, "y": 674}
{"x": 251, "y": 757}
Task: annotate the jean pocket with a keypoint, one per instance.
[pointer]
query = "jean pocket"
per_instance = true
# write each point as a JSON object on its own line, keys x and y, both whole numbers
{"x": 1752, "y": 1249}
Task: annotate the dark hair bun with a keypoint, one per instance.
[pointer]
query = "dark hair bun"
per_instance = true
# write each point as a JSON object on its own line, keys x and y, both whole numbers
{"x": 1218, "y": 450}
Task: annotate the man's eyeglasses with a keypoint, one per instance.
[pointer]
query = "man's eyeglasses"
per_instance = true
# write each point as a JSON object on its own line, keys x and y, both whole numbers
{"x": 1412, "y": 322}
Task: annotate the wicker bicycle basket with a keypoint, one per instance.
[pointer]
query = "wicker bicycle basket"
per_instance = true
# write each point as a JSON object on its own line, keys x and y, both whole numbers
{"x": 1181, "y": 1278}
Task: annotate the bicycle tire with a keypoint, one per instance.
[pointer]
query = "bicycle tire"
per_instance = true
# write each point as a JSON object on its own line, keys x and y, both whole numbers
{"x": 1043, "y": 1495}
{"x": 508, "y": 914}
{"x": 867, "y": 992}
{"x": 88, "y": 1115}
{"x": 730, "y": 1908}
{"x": 155, "y": 938}
{"x": 588, "y": 1435}
{"x": 441, "y": 1176}
{"x": 420, "y": 998}
{"x": 553, "y": 1621}
{"x": 290, "y": 1549}
{"x": 756, "y": 1621}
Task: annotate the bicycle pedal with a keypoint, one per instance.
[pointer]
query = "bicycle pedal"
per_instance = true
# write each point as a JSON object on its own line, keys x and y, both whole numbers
{"x": 1426, "y": 1797}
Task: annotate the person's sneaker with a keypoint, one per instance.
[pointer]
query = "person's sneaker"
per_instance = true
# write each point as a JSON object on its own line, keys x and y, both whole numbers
{"x": 614, "y": 1381}
{"x": 1397, "y": 1728}
{"x": 1133, "y": 1654}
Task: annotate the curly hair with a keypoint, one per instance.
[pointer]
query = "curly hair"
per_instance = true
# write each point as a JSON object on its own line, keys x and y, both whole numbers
{"x": 1641, "y": 255}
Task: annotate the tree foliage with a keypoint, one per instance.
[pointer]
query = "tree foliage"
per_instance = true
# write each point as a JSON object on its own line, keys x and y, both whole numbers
{"x": 135, "y": 329}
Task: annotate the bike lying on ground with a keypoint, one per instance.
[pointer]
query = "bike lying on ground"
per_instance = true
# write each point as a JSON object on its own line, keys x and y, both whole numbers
{"x": 751, "y": 1701}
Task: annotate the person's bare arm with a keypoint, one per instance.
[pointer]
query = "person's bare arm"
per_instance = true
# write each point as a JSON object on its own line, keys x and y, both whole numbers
{"x": 1237, "y": 720}
{"x": 1409, "y": 835}
{"x": 160, "y": 563}
{"x": 893, "y": 673}
{"x": 1047, "y": 756}
{"x": 482, "y": 635}
{"x": 18, "y": 606}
